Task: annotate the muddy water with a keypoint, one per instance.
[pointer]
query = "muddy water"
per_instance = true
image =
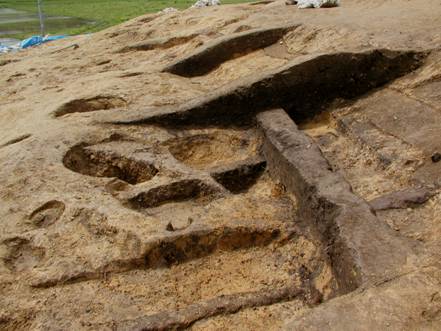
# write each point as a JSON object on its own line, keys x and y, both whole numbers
{"x": 9, "y": 41}
{"x": 15, "y": 22}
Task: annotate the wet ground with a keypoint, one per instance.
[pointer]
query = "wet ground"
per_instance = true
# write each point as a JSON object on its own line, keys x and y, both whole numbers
{"x": 15, "y": 23}
{"x": 8, "y": 41}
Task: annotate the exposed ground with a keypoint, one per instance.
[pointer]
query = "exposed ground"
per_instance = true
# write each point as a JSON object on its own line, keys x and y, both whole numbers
{"x": 247, "y": 167}
{"x": 19, "y": 19}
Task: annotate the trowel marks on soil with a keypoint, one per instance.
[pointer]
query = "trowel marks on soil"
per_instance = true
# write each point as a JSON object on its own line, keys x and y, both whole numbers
{"x": 82, "y": 159}
{"x": 90, "y": 104}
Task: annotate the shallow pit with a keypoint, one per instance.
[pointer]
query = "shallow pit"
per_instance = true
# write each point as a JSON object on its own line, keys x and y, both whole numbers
{"x": 240, "y": 177}
{"x": 223, "y": 277}
{"x": 84, "y": 105}
{"x": 86, "y": 161}
{"x": 21, "y": 255}
{"x": 183, "y": 190}
{"x": 48, "y": 213}
{"x": 207, "y": 150}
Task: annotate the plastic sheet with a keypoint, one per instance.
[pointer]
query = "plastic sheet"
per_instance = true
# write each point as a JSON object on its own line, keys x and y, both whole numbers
{"x": 206, "y": 3}
{"x": 317, "y": 3}
{"x": 38, "y": 40}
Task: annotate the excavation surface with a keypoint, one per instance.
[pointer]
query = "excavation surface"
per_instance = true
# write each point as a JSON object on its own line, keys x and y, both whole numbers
{"x": 247, "y": 167}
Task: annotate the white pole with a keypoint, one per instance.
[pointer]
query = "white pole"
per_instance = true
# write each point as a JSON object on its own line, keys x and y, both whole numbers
{"x": 40, "y": 16}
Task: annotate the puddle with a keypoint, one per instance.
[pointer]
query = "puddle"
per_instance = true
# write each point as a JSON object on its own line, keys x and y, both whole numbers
{"x": 9, "y": 41}
{"x": 14, "y": 22}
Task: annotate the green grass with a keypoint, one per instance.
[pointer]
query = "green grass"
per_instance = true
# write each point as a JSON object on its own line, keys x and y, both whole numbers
{"x": 91, "y": 15}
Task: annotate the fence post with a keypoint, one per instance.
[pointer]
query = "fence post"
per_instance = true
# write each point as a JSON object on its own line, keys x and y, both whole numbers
{"x": 40, "y": 16}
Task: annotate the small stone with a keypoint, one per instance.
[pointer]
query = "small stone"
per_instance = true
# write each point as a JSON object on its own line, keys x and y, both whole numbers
{"x": 170, "y": 227}
{"x": 177, "y": 225}
{"x": 436, "y": 157}
{"x": 205, "y": 3}
{"x": 169, "y": 10}
{"x": 317, "y": 3}
{"x": 403, "y": 199}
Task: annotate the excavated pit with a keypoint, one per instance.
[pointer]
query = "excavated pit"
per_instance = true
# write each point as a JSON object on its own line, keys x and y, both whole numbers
{"x": 170, "y": 250}
{"x": 210, "y": 209}
{"x": 304, "y": 87}
{"x": 198, "y": 244}
{"x": 257, "y": 61}
{"x": 86, "y": 161}
{"x": 238, "y": 178}
{"x": 377, "y": 162}
{"x": 159, "y": 43}
{"x": 304, "y": 256}
{"x": 326, "y": 199}
{"x": 210, "y": 56}
{"x": 90, "y": 104}
{"x": 213, "y": 149}
{"x": 256, "y": 276}
{"x": 250, "y": 240}
{"x": 48, "y": 213}
{"x": 183, "y": 190}
{"x": 260, "y": 268}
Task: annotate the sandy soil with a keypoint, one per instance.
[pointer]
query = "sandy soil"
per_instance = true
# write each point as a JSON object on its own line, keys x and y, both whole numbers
{"x": 105, "y": 224}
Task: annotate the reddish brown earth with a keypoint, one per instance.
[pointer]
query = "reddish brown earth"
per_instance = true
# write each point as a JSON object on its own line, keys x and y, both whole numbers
{"x": 247, "y": 167}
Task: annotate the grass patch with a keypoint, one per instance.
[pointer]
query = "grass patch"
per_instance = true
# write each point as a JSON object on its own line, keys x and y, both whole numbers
{"x": 88, "y": 15}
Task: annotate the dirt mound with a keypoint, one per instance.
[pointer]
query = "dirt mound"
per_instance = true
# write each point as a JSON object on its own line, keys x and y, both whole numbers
{"x": 247, "y": 167}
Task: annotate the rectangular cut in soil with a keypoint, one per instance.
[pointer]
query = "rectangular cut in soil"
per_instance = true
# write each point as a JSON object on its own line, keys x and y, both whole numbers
{"x": 361, "y": 248}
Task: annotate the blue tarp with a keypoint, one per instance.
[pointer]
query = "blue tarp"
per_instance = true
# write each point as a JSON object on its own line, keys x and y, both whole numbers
{"x": 37, "y": 40}
{"x": 32, "y": 41}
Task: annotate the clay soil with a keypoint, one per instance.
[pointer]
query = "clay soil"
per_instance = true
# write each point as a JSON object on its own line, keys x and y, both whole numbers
{"x": 135, "y": 193}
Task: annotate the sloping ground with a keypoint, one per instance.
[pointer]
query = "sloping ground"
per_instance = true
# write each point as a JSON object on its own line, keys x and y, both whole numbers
{"x": 250, "y": 167}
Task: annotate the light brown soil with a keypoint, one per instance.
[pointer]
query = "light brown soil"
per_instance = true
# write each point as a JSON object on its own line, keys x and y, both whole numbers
{"x": 109, "y": 222}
